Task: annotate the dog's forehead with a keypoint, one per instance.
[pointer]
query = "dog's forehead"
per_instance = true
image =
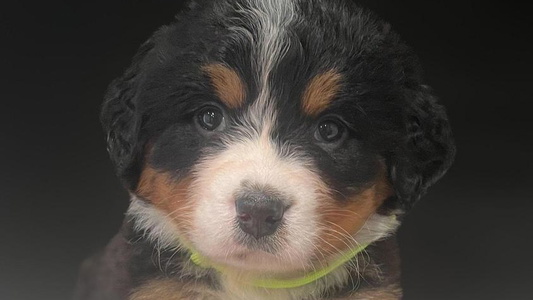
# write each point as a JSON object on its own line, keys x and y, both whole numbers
{"x": 315, "y": 96}
{"x": 297, "y": 57}
{"x": 274, "y": 51}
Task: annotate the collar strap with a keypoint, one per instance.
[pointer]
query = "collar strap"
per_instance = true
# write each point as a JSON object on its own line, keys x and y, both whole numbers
{"x": 272, "y": 283}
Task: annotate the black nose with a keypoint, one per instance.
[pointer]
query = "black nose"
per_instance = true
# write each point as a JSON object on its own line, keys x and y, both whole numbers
{"x": 259, "y": 214}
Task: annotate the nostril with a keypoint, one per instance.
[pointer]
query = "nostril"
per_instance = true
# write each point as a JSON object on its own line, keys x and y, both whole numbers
{"x": 275, "y": 214}
{"x": 272, "y": 220}
{"x": 244, "y": 217}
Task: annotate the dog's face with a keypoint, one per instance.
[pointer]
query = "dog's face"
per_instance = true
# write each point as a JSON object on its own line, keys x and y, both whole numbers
{"x": 274, "y": 135}
{"x": 265, "y": 177}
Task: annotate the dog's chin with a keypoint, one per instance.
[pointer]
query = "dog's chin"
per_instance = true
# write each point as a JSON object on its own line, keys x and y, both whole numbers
{"x": 249, "y": 255}
{"x": 258, "y": 262}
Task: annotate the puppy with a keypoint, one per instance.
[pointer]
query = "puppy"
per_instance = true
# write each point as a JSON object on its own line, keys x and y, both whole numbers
{"x": 270, "y": 148}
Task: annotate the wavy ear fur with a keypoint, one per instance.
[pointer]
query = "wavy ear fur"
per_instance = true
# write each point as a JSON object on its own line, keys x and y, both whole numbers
{"x": 122, "y": 120}
{"x": 427, "y": 150}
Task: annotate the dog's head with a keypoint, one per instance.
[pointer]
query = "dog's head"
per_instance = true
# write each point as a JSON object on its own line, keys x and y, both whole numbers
{"x": 274, "y": 134}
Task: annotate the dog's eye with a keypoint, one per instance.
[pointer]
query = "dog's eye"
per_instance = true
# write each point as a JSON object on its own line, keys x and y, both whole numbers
{"x": 210, "y": 118}
{"x": 329, "y": 131}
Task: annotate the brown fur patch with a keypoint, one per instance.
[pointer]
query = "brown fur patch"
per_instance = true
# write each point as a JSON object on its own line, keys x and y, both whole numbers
{"x": 341, "y": 220}
{"x": 390, "y": 292}
{"x": 227, "y": 83}
{"x": 320, "y": 91}
{"x": 168, "y": 289}
{"x": 167, "y": 194}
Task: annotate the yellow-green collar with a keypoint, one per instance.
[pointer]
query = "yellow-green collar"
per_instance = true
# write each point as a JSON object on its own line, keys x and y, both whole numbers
{"x": 272, "y": 283}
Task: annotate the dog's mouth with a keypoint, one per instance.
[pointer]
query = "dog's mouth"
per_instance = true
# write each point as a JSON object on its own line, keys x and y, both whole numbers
{"x": 271, "y": 244}
{"x": 245, "y": 252}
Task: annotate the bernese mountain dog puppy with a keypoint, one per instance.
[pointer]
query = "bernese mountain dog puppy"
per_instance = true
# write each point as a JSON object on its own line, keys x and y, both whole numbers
{"x": 270, "y": 148}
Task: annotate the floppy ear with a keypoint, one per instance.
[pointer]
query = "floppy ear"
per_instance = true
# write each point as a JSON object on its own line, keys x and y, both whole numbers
{"x": 122, "y": 119}
{"x": 426, "y": 150}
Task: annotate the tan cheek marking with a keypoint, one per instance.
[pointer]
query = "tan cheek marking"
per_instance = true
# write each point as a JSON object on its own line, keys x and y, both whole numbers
{"x": 340, "y": 221}
{"x": 227, "y": 83}
{"x": 168, "y": 195}
{"x": 320, "y": 92}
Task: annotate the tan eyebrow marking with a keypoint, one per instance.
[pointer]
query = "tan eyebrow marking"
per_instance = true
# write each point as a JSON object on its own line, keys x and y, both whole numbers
{"x": 228, "y": 85}
{"x": 320, "y": 91}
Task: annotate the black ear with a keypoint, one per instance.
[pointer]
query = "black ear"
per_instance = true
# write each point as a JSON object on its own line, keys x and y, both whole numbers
{"x": 122, "y": 120}
{"x": 426, "y": 150}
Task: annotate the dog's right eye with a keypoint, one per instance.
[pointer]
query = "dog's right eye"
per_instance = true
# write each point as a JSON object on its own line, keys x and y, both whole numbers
{"x": 330, "y": 130}
{"x": 210, "y": 118}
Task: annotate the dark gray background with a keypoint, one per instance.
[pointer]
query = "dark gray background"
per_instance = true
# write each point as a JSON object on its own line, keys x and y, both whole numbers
{"x": 469, "y": 238}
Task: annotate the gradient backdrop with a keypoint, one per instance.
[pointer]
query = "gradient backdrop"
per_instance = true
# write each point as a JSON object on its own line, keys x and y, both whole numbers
{"x": 469, "y": 238}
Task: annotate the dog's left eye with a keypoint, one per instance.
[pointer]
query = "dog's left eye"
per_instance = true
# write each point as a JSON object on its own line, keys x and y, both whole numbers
{"x": 210, "y": 118}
